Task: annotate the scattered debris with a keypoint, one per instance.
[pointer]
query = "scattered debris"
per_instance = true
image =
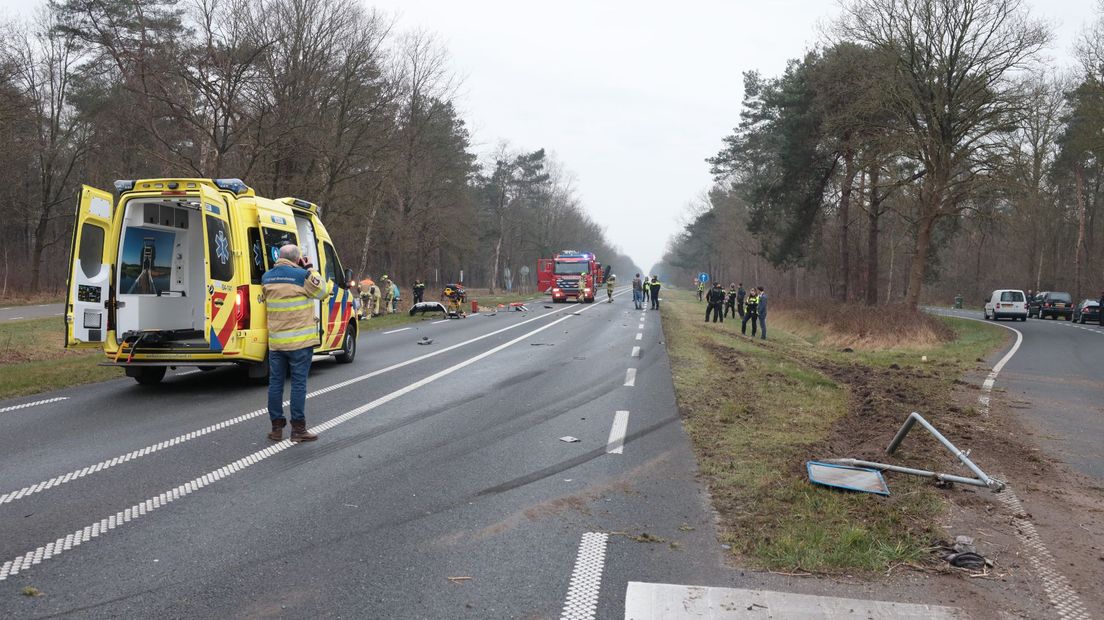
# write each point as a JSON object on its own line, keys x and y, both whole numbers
{"x": 459, "y": 579}
{"x": 685, "y": 528}
{"x": 425, "y": 340}
{"x": 31, "y": 591}
{"x": 548, "y": 307}
{"x": 541, "y": 344}
{"x": 963, "y": 554}
{"x": 847, "y": 477}
{"x": 569, "y": 439}
{"x": 350, "y": 506}
{"x": 847, "y": 350}
{"x": 923, "y": 358}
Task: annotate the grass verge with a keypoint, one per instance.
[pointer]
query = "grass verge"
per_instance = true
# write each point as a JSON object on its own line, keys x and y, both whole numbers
{"x": 756, "y": 411}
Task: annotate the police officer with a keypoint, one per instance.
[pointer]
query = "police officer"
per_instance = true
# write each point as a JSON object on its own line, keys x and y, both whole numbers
{"x": 715, "y": 303}
{"x": 289, "y": 290}
{"x": 730, "y": 301}
{"x": 647, "y": 289}
{"x": 653, "y": 290}
{"x": 419, "y": 291}
{"x": 751, "y": 313}
{"x": 701, "y": 289}
{"x": 741, "y": 294}
{"x": 761, "y": 310}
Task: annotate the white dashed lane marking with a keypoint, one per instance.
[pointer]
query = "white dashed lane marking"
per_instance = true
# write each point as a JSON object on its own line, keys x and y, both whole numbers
{"x": 635, "y": 352}
{"x": 586, "y": 578}
{"x": 630, "y": 377}
{"x": 639, "y": 336}
{"x": 395, "y": 331}
{"x": 33, "y": 404}
{"x": 616, "y": 442}
{"x": 45, "y": 552}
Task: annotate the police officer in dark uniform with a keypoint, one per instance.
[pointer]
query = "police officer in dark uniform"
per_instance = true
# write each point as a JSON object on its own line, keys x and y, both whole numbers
{"x": 741, "y": 294}
{"x": 419, "y": 291}
{"x": 715, "y": 303}
{"x": 730, "y": 301}
{"x": 751, "y": 313}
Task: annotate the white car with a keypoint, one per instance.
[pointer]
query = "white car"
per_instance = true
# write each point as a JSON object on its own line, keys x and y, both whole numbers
{"x": 1006, "y": 303}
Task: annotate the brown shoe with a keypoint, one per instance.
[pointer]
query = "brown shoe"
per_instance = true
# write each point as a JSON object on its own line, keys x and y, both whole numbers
{"x": 299, "y": 432}
{"x": 277, "y": 433}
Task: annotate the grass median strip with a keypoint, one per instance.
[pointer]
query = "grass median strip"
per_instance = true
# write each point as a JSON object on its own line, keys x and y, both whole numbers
{"x": 756, "y": 411}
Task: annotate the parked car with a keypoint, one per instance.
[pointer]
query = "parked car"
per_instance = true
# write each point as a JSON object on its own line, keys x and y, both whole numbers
{"x": 1087, "y": 310}
{"x": 1006, "y": 304}
{"x": 1051, "y": 304}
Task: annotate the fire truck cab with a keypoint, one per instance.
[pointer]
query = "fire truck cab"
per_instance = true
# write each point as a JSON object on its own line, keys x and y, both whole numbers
{"x": 167, "y": 273}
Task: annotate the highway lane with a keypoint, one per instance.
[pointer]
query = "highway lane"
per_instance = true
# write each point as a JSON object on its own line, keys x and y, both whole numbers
{"x": 36, "y": 311}
{"x": 1056, "y": 383}
{"x": 448, "y": 467}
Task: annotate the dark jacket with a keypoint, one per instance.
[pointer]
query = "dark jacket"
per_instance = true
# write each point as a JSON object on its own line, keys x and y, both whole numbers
{"x": 716, "y": 295}
{"x": 741, "y": 294}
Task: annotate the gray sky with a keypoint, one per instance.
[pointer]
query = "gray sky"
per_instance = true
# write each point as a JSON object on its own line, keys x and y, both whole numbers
{"x": 631, "y": 96}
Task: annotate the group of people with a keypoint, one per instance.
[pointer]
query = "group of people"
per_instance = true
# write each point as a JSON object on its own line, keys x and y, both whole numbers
{"x": 645, "y": 289}
{"x": 737, "y": 301}
{"x": 371, "y": 299}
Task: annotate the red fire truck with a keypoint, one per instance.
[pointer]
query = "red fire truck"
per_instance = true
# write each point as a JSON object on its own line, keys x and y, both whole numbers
{"x": 562, "y": 276}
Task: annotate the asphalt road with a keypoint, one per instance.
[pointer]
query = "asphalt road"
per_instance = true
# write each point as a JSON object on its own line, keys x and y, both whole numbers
{"x": 17, "y": 313}
{"x": 439, "y": 487}
{"x": 1056, "y": 383}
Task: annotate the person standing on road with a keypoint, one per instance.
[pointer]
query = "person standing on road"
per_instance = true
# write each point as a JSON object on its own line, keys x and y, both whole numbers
{"x": 653, "y": 289}
{"x": 609, "y": 289}
{"x": 715, "y": 303}
{"x": 762, "y": 310}
{"x": 730, "y": 301}
{"x": 419, "y": 291}
{"x": 751, "y": 313}
{"x": 638, "y": 291}
{"x": 741, "y": 294}
{"x": 290, "y": 288}
{"x": 646, "y": 291}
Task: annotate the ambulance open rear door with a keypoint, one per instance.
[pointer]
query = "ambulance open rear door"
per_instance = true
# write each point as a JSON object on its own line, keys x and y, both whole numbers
{"x": 220, "y": 309}
{"x": 88, "y": 297}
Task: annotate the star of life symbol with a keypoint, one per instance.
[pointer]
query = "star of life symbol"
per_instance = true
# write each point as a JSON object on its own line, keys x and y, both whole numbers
{"x": 222, "y": 247}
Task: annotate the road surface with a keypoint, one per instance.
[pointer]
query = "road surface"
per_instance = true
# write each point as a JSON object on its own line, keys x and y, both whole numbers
{"x": 439, "y": 487}
{"x": 1056, "y": 383}
{"x": 18, "y": 313}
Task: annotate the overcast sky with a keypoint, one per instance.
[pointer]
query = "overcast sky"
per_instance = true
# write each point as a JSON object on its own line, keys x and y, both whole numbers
{"x": 630, "y": 96}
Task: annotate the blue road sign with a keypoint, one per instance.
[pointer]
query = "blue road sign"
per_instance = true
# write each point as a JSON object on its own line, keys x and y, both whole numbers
{"x": 703, "y": 277}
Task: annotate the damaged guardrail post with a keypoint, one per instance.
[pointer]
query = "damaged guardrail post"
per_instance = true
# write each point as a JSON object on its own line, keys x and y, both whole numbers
{"x": 914, "y": 418}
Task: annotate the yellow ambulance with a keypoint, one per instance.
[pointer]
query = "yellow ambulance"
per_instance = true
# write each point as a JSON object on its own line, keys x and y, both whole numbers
{"x": 167, "y": 273}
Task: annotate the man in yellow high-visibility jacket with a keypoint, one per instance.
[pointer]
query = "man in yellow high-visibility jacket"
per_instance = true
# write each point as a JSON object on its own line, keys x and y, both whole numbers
{"x": 290, "y": 288}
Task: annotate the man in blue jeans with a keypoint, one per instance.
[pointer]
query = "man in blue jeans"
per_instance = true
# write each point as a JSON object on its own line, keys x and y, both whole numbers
{"x": 290, "y": 288}
{"x": 762, "y": 314}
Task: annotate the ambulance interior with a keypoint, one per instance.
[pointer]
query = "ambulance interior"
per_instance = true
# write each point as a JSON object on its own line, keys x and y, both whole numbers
{"x": 160, "y": 279}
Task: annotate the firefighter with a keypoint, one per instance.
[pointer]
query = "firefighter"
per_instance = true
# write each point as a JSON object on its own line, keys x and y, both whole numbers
{"x": 582, "y": 287}
{"x": 715, "y": 303}
{"x": 701, "y": 290}
{"x": 609, "y": 289}
{"x": 730, "y": 301}
{"x": 289, "y": 289}
{"x": 387, "y": 290}
{"x": 419, "y": 291}
{"x": 371, "y": 293}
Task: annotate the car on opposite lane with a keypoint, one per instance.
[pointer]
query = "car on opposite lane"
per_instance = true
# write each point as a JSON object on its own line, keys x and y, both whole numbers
{"x": 1087, "y": 310}
{"x": 1006, "y": 304}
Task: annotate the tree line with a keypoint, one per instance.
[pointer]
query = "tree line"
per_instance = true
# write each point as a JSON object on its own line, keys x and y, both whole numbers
{"x": 324, "y": 100}
{"x": 925, "y": 148}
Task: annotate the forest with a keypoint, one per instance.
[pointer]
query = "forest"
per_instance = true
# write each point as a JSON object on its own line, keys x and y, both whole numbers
{"x": 324, "y": 100}
{"x": 923, "y": 149}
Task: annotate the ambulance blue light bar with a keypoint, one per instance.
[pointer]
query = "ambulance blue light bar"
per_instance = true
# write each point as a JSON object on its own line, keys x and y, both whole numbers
{"x": 232, "y": 185}
{"x": 123, "y": 186}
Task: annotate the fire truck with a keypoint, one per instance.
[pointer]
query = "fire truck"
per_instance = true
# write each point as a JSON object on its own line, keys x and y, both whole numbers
{"x": 563, "y": 276}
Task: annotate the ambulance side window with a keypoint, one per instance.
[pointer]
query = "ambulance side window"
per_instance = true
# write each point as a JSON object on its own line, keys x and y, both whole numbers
{"x": 220, "y": 250}
{"x": 256, "y": 256}
{"x": 91, "y": 249}
{"x": 333, "y": 267}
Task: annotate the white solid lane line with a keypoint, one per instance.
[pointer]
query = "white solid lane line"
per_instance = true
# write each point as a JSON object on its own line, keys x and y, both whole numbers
{"x": 45, "y": 552}
{"x": 395, "y": 331}
{"x": 14, "y": 318}
{"x": 35, "y": 403}
{"x": 635, "y": 352}
{"x": 179, "y": 439}
{"x": 616, "y": 442}
{"x": 630, "y": 377}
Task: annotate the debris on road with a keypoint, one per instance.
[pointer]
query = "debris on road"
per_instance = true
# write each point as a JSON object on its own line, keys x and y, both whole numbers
{"x": 963, "y": 554}
{"x": 861, "y": 479}
{"x": 569, "y": 439}
{"x": 425, "y": 340}
{"x": 459, "y": 579}
{"x": 32, "y": 591}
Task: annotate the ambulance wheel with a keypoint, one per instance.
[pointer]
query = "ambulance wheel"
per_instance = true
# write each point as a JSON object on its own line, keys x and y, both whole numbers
{"x": 348, "y": 346}
{"x": 147, "y": 375}
{"x": 258, "y": 373}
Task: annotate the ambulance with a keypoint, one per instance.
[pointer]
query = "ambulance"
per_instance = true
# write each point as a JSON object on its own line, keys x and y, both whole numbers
{"x": 167, "y": 273}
